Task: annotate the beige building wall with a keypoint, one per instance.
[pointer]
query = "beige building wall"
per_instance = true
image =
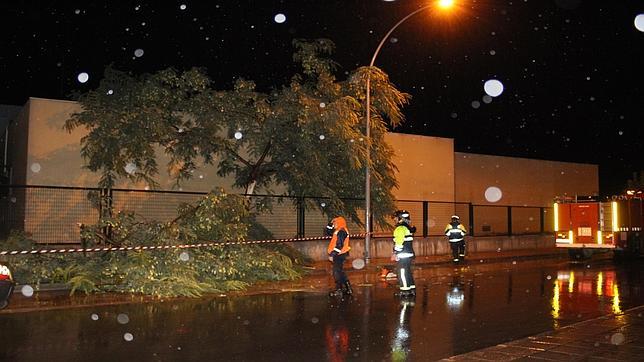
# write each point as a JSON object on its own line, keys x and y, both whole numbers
{"x": 425, "y": 167}
{"x": 495, "y": 181}
{"x": 429, "y": 170}
{"x": 53, "y": 155}
{"x": 522, "y": 181}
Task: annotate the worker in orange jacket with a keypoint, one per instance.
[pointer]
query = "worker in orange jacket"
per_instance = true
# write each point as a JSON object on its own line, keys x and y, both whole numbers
{"x": 338, "y": 251}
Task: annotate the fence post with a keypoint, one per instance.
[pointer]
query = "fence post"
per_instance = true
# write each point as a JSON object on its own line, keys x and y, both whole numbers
{"x": 542, "y": 227}
{"x": 106, "y": 205}
{"x": 300, "y": 217}
{"x": 425, "y": 218}
{"x": 471, "y": 214}
{"x": 509, "y": 220}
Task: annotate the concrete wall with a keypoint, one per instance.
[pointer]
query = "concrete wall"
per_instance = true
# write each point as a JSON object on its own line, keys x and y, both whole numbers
{"x": 381, "y": 247}
{"x": 425, "y": 167}
{"x": 46, "y": 154}
{"x": 522, "y": 181}
{"x": 53, "y": 156}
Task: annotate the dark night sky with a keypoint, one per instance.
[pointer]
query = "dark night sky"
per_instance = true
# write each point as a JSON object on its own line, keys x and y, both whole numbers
{"x": 572, "y": 69}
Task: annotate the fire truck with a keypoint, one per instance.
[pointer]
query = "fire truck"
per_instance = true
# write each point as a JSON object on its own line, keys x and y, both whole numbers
{"x": 586, "y": 225}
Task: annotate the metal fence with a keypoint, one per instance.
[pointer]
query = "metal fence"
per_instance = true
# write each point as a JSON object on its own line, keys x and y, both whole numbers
{"x": 52, "y": 214}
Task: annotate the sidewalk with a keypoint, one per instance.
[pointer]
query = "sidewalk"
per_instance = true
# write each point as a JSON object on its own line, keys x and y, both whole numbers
{"x": 608, "y": 338}
{"x": 480, "y": 257}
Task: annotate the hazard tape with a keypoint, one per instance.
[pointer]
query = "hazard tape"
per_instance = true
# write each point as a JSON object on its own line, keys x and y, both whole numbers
{"x": 163, "y": 247}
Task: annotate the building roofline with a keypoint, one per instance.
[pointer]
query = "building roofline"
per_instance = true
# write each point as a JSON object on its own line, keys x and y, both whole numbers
{"x": 526, "y": 158}
{"x": 51, "y": 99}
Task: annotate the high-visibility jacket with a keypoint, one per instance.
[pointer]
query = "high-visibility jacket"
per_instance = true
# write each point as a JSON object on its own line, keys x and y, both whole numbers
{"x": 455, "y": 232}
{"x": 403, "y": 239}
{"x": 339, "y": 243}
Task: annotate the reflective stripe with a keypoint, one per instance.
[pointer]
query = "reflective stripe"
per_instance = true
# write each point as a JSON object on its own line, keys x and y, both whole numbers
{"x": 404, "y": 255}
{"x": 398, "y": 248}
{"x": 338, "y": 250}
{"x": 455, "y": 240}
{"x": 408, "y": 238}
{"x": 403, "y": 280}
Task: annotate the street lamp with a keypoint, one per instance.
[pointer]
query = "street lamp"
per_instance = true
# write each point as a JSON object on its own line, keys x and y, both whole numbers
{"x": 443, "y": 4}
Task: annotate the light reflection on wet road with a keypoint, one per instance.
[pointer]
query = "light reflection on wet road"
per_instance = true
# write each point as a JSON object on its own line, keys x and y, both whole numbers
{"x": 455, "y": 311}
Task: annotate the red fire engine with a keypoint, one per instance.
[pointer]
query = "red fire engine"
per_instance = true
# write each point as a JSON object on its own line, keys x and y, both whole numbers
{"x": 585, "y": 224}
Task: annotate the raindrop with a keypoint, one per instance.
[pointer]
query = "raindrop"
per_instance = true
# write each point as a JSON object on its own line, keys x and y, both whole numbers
{"x": 492, "y": 52}
{"x": 238, "y": 135}
{"x": 322, "y": 137}
{"x": 130, "y": 168}
{"x": 182, "y": 6}
{"x": 639, "y": 22}
{"x": 358, "y": 263}
{"x": 453, "y": 115}
{"x": 13, "y": 200}
{"x": 122, "y": 318}
{"x": 322, "y": 104}
{"x": 617, "y": 338}
{"x": 27, "y": 291}
{"x": 620, "y": 133}
{"x": 476, "y": 104}
{"x": 548, "y": 277}
{"x": 315, "y": 320}
{"x": 487, "y": 99}
{"x": 323, "y": 204}
{"x": 94, "y": 317}
{"x": 184, "y": 256}
{"x": 110, "y": 92}
{"x": 493, "y": 88}
{"x": 493, "y": 194}
{"x": 514, "y": 262}
{"x": 77, "y": 11}
{"x": 128, "y": 337}
{"x": 498, "y": 250}
{"x": 138, "y": 53}
{"x": 393, "y": 40}
{"x": 35, "y": 167}
{"x": 280, "y": 18}
{"x": 83, "y": 77}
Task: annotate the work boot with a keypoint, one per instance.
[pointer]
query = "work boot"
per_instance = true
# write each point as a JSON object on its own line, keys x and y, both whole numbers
{"x": 347, "y": 288}
{"x": 405, "y": 293}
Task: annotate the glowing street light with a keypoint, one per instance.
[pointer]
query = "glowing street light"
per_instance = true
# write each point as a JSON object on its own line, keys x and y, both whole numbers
{"x": 442, "y": 4}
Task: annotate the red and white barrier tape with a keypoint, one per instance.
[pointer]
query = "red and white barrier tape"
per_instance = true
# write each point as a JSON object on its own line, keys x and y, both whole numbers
{"x": 184, "y": 246}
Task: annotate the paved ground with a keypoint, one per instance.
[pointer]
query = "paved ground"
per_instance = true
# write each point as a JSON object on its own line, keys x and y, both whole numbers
{"x": 608, "y": 338}
{"x": 615, "y": 337}
{"x": 319, "y": 277}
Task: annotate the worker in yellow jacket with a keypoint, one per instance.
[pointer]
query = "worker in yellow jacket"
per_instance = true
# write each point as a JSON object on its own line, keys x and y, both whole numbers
{"x": 455, "y": 232}
{"x": 403, "y": 253}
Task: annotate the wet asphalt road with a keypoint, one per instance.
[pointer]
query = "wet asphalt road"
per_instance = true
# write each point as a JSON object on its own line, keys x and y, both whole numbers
{"x": 456, "y": 310}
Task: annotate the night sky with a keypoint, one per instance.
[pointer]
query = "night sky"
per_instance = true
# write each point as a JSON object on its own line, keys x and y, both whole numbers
{"x": 572, "y": 70}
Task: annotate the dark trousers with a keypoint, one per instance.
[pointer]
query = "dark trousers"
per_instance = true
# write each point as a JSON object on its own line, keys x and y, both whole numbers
{"x": 339, "y": 275}
{"x": 405, "y": 275}
{"x": 458, "y": 249}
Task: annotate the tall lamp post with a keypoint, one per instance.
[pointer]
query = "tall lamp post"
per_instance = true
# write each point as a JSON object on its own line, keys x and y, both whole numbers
{"x": 367, "y": 245}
